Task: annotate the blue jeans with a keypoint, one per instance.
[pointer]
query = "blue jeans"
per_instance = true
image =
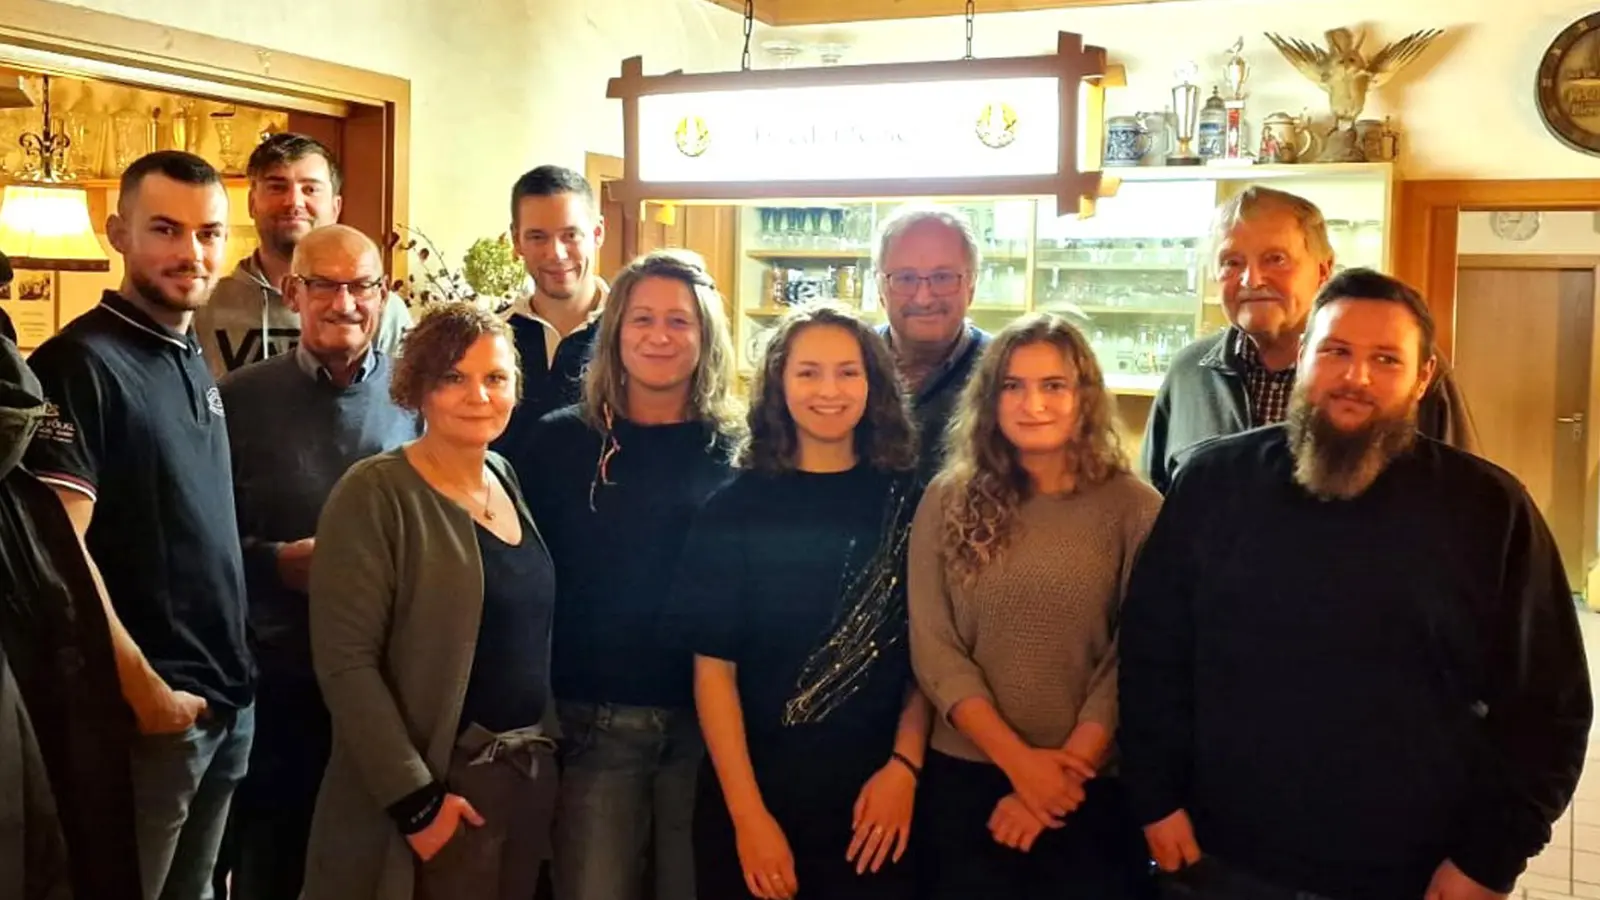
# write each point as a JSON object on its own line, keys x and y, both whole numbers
{"x": 627, "y": 782}
{"x": 182, "y": 786}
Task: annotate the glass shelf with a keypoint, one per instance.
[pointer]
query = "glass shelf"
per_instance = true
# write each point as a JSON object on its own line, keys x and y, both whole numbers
{"x": 1135, "y": 277}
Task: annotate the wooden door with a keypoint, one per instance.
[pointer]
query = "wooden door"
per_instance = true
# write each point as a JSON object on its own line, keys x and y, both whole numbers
{"x": 1524, "y": 345}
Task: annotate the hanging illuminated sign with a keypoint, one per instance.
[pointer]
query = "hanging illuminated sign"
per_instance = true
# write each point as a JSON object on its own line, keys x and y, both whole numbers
{"x": 1024, "y": 126}
{"x": 922, "y": 129}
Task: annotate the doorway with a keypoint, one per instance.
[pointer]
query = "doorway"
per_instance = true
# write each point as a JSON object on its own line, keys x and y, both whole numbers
{"x": 708, "y": 230}
{"x": 1525, "y": 344}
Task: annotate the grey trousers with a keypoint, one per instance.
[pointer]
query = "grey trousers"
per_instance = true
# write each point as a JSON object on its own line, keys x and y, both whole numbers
{"x": 510, "y": 779}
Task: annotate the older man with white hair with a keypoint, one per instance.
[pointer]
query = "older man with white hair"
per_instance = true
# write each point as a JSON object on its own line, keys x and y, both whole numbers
{"x": 927, "y": 267}
{"x": 296, "y": 422}
{"x": 1272, "y": 256}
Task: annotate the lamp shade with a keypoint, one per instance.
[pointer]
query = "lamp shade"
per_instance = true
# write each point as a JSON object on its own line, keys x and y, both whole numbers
{"x": 47, "y": 227}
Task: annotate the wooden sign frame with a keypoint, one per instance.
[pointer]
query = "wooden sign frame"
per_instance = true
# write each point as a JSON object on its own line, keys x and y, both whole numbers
{"x": 1073, "y": 63}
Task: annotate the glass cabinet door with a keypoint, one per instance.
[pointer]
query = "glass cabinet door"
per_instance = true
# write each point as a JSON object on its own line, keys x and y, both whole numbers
{"x": 792, "y": 252}
{"x": 1136, "y": 276}
{"x": 1128, "y": 276}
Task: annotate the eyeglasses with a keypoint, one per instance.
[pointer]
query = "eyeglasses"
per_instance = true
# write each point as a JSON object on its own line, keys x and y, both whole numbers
{"x": 904, "y": 284}
{"x": 328, "y": 289}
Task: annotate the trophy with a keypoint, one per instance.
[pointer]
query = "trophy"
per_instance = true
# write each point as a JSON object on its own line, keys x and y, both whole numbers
{"x": 1186, "y": 109}
{"x": 1234, "y": 73}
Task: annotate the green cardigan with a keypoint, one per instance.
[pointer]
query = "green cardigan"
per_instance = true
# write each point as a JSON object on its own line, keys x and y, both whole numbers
{"x": 396, "y": 601}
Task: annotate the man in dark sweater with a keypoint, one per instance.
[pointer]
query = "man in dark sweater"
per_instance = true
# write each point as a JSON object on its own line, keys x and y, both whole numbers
{"x": 1273, "y": 254}
{"x": 1350, "y": 661}
{"x": 927, "y": 265}
{"x": 66, "y": 792}
{"x": 296, "y": 422}
{"x": 557, "y": 231}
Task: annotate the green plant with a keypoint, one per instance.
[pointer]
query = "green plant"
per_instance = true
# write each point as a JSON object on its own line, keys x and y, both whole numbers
{"x": 491, "y": 268}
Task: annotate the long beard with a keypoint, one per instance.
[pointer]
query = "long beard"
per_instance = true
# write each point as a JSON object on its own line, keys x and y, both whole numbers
{"x": 1333, "y": 464}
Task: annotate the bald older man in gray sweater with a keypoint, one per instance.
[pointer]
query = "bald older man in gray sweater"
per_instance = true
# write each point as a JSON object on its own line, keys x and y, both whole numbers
{"x": 296, "y": 422}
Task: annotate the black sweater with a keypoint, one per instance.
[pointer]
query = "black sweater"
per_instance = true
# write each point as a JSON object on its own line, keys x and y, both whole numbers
{"x": 614, "y": 561}
{"x": 1345, "y": 694}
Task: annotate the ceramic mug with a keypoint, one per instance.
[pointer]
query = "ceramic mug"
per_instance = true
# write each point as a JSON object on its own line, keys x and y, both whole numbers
{"x": 1127, "y": 141}
{"x": 1374, "y": 140}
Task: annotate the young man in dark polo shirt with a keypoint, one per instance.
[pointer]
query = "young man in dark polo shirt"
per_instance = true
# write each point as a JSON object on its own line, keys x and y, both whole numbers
{"x": 927, "y": 265}
{"x": 136, "y": 447}
{"x": 557, "y": 231}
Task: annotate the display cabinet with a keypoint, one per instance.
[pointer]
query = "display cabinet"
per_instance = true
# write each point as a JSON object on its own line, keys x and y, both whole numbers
{"x": 1135, "y": 276}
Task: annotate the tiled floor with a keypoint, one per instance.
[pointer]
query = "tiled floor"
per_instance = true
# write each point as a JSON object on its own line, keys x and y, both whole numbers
{"x": 1570, "y": 866}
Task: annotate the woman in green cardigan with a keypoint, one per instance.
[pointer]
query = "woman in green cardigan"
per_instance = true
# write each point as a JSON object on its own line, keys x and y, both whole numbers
{"x": 431, "y": 595}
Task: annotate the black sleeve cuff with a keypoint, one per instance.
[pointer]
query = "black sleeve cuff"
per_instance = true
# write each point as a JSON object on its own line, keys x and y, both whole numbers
{"x": 416, "y": 810}
{"x": 1495, "y": 867}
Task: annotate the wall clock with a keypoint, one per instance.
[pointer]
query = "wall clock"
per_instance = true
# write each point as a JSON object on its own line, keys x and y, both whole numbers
{"x": 1568, "y": 86}
{"x": 1514, "y": 226}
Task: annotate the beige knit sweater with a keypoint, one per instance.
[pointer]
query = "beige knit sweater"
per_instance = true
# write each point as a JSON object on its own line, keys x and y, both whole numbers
{"x": 1036, "y": 634}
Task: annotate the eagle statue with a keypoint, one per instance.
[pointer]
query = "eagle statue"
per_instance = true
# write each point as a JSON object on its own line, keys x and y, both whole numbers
{"x": 1344, "y": 73}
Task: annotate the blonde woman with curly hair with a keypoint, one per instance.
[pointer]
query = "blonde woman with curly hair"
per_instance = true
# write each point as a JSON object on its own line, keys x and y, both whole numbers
{"x": 613, "y": 483}
{"x": 1019, "y": 555}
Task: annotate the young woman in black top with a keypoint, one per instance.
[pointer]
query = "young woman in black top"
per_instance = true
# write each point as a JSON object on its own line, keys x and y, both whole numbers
{"x": 792, "y": 595}
{"x": 613, "y": 483}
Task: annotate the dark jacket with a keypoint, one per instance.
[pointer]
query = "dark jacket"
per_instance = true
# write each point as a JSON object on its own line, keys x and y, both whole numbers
{"x": 935, "y": 402}
{"x": 57, "y": 644}
{"x": 1204, "y": 397}
{"x": 546, "y": 386}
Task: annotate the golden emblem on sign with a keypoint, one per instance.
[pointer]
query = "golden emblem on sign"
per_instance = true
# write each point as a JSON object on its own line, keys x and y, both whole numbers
{"x": 997, "y": 125}
{"x": 693, "y": 136}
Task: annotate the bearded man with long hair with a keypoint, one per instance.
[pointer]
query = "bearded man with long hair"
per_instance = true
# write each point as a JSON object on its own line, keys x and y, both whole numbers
{"x": 1351, "y": 664}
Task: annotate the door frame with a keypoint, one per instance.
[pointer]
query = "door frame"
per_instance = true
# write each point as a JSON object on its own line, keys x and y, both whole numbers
{"x": 368, "y": 112}
{"x": 1428, "y": 226}
{"x": 1591, "y": 432}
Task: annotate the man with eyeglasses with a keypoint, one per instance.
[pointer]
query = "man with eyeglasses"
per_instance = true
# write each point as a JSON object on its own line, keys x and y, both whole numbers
{"x": 296, "y": 422}
{"x": 294, "y": 187}
{"x": 927, "y": 265}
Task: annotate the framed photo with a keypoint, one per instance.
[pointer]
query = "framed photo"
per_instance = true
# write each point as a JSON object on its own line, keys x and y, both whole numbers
{"x": 30, "y": 302}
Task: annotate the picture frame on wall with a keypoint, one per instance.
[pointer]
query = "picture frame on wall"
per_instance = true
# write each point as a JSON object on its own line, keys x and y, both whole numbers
{"x": 31, "y": 303}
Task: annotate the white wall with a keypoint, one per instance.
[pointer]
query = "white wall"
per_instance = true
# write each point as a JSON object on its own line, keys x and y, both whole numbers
{"x": 1465, "y": 108}
{"x": 1559, "y": 232}
{"x": 497, "y": 86}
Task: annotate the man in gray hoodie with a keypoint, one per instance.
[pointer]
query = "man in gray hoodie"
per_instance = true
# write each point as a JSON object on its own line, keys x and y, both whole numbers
{"x": 294, "y": 188}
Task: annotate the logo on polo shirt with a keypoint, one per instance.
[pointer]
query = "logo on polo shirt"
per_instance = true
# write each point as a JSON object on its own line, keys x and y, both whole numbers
{"x": 214, "y": 400}
{"x": 55, "y": 428}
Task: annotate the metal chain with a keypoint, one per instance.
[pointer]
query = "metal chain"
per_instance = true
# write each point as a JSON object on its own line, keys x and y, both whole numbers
{"x": 972, "y": 10}
{"x": 749, "y": 22}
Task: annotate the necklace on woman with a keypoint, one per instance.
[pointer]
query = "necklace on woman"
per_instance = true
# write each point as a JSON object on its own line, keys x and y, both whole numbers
{"x": 488, "y": 489}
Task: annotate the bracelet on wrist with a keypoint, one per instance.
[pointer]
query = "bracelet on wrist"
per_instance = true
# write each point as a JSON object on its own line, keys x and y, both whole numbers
{"x": 904, "y": 760}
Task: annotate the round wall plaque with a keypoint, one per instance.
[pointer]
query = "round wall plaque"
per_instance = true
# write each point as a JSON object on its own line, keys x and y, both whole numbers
{"x": 1568, "y": 89}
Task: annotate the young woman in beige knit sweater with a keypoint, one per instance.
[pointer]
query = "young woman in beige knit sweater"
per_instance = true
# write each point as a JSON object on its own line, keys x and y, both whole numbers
{"x": 1019, "y": 554}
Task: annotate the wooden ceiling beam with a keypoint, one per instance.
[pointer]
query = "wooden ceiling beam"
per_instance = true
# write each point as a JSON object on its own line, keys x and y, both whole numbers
{"x": 824, "y": 12}
{"x": 765, "y": 10}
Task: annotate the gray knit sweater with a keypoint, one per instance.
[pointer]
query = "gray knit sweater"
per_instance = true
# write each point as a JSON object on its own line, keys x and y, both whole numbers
{"x": 1036, "y": 633}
